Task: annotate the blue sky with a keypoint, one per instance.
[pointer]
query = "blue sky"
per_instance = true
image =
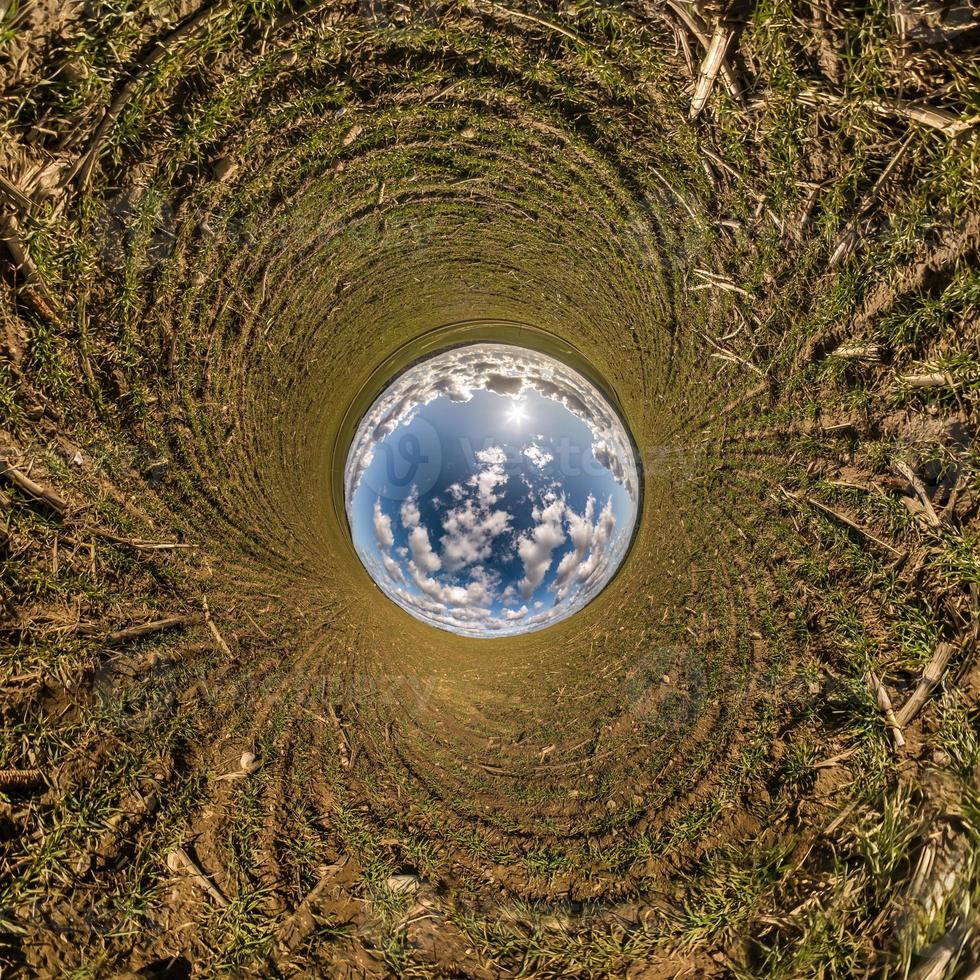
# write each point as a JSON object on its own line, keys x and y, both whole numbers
{"x": 488, "y": 513}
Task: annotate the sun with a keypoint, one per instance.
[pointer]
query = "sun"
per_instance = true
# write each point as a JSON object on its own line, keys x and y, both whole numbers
{"x": 517, "y": 414}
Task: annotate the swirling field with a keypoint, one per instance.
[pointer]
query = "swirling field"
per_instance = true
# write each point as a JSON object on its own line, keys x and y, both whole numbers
{"x": 225, "y": 752}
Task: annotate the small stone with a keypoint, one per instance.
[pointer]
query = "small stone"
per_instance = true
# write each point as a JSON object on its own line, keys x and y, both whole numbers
{"x": 352, "y": 134}
{"x": 75, "y": 71}
{"x": 665, "y": 679}
{"x": 404, "y": 884}
{"x": 198, "y": 278}
{"x": 468, "y": 133}
{"x": 247, "y": 760}
{"x": 224, "y": 168}
{"x": 612, "y": 806}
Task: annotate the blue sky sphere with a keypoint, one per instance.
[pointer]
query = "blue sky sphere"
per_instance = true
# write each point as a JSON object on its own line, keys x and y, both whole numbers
{"x": 491, "y": 490}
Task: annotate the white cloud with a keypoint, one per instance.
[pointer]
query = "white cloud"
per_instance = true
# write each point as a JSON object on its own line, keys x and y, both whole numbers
{"x": 394, "y": 569}
{"x": 585, "y": 565}
{"x": 470, "y": 533}
{"x": 473, "y": 526}
{"x": 503, "y": 369}
{"x": 385, "y": 538}
{"x": 538, "y": 456}
{"x": 492, "y": 456}
{"x": 491, "y": 475}
{"x": 418, "y": 536}
{"x": 422, "y": 554}
{"x": 611, "y": 458}
{"x": 580, "y": 531}
{"x": 465, "y": 603}
{"x": 536, "y": 547}
{"x": 474, "y": 594}
{"x": 382, "y": 528}
{"x": 410, "y": 510}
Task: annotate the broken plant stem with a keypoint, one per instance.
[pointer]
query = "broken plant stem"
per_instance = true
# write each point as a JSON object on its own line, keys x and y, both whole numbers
{"x": 138, "y": 543}
{"x": 693, "y": 22}
{"x": 540, "y": 21}
{"x": 903, "y": 469}
{"x": 34, "y": 490}
{"x": 721, "y": 282}
{"x": 853, "y": 525}
{"x": 179, "y": 860}
{"x": 946, "y": 122}
{"x": 931, "y": 677}
{"x": 857, "y": 351}
{"x": 215, "y": 632}
{"x": 885, "y": 706}
{"x": 728, "y": 355}
{"x": 849, "y": 236}
{"x": 198, "y": 23}
{"x": 16, "y": 196}
{"x": 36, "y": 287}
{"x": 935, "y": 379}
{"x": 145, "y": 629}
{"x": 714, "y": 59}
